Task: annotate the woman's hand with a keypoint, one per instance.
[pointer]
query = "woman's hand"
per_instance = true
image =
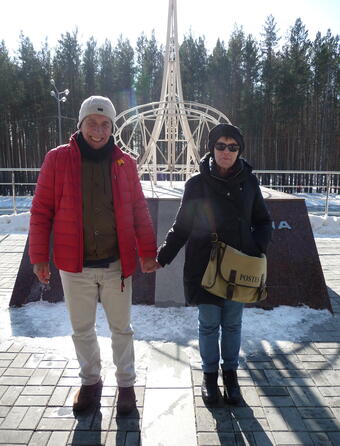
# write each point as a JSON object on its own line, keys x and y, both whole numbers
{"x": 149, "y": 265}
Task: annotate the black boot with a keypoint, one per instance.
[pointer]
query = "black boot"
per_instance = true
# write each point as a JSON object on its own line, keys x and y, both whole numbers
{"x": 232, "y": 391}
{"x": 210, "y": 388}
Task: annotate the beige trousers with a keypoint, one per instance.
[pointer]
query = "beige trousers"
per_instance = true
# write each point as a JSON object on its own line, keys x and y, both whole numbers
{"x": 82, "y": 291}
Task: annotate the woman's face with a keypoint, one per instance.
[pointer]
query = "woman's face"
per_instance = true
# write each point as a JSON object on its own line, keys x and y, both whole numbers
{"x": 224, "y": 158}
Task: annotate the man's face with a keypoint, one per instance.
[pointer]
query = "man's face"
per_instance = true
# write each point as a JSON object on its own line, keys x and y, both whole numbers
{"x": 96, "y": 130}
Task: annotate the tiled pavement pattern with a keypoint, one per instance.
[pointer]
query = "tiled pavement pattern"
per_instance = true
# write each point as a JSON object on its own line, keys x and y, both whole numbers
{"x": 292, "y": 392}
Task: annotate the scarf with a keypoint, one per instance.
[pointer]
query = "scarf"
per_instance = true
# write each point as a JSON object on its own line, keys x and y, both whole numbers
{"x": 96, "y": 155}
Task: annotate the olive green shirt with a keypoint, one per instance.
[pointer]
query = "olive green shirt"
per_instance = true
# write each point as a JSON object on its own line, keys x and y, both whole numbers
{"x": 100, "y": 234}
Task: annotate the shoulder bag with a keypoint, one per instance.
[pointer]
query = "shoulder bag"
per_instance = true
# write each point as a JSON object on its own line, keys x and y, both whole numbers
{"x": 230, "y": 273}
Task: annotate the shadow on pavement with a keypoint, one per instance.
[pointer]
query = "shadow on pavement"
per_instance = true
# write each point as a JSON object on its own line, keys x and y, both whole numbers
{"x": 87, "y": 431}
{"x": 239, "y": 425}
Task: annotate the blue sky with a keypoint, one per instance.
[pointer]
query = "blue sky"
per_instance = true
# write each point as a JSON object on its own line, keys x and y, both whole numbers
{"x": 110, "y": 18}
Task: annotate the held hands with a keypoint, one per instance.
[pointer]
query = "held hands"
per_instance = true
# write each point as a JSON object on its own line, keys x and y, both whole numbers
{"x": 149, "y": 265}
{"x": 42, "y": 271}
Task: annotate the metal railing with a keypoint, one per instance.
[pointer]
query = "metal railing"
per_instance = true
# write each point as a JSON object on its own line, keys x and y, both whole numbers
{"x": 301, "y": 181}
{"x": 289, "y": 181}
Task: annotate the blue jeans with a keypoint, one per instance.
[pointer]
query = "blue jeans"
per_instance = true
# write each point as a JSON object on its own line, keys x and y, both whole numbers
{"x": 211, "y": 320}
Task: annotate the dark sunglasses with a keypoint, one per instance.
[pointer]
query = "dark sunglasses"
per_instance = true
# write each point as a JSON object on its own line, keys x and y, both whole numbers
{"x": 231, "y": 147}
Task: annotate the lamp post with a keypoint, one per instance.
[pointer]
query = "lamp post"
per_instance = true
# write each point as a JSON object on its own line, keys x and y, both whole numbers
{"x": 59, "y": 96}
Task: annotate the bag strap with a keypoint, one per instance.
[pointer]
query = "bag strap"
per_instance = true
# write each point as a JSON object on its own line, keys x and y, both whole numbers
{"x": 261, "y": 289}
{"x": 231, "y": 284}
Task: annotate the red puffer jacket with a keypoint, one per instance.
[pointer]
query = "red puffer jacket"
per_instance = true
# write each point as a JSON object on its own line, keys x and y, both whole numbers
{"x": 57, "y": 205}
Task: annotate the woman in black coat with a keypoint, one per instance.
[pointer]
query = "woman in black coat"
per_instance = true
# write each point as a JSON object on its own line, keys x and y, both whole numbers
{"x": 242, "y": 221}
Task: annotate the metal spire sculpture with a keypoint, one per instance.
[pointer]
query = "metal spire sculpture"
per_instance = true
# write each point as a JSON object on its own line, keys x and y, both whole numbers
{"x": 165, "y": 136}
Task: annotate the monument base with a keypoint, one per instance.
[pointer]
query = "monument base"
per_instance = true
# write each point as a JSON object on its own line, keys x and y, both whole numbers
{"x": 295, "y": 275}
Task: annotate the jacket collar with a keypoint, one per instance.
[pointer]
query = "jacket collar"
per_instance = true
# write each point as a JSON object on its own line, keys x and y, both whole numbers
{"x": 210, "y": 175}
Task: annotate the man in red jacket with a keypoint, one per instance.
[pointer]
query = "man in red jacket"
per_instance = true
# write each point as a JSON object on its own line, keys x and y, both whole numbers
{"x": 89, "y": 192}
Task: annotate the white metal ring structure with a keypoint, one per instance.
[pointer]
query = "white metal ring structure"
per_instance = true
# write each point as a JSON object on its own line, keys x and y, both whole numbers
{"x": 170, "y": 156}
{"x": 166, "y": 136}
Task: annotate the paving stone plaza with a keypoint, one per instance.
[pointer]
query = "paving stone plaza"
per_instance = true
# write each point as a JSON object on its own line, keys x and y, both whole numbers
{"x": 291, "y": 390}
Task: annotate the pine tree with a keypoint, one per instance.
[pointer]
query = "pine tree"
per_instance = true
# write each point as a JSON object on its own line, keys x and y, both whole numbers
{"x": 33, "y": 78}
{"x": 251, "y": 120}
{"x": 106, "y": 70}
{"x": 10, "y": 101}
{"x": 90, "y": 68}
{"x": 124, "y": 71}
{"x": 286, "y": 101}
{"x": 293, "y": 94}
{"x": 194, "y": 65}
{"x": 8, "y": 94}
{"x": 251, "y": 74}
{"x": 218, "y": 73}
{"x": 325, "y": 119}
{"x": 67, "y": 74}
{"x": 268, "y": 82}
{"x": 149, "y": 69}
{"x": 235, "y": 82}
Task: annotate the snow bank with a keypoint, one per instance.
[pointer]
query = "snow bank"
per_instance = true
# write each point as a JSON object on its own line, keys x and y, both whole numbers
{"x": 14, "y": 223}
{"x": 318, "y": 200}
{"x": 37, "y": 323}
{"x": 322, "y": 225}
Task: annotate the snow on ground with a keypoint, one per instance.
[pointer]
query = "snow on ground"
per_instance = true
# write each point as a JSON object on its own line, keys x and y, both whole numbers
{"x": 325, "y": 226}
{"x": 47, "y": 326}
{"x": 6, "y": 202}
{"x": 317, "y": 200}
{"x": 14, "y": 223}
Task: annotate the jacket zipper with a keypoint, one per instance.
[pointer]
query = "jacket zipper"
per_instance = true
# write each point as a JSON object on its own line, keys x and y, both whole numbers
{"x": 113, "y": 179}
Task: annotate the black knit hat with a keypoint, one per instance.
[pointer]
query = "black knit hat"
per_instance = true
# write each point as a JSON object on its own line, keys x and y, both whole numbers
{"x": 225, "y": 130}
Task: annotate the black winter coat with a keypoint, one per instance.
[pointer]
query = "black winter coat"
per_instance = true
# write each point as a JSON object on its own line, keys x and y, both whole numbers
{"x": 240, "y": 214}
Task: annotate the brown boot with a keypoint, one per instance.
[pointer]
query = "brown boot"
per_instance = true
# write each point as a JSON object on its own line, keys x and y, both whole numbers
{"x": 126, "y": 400}
{"x": 87, "y": 396}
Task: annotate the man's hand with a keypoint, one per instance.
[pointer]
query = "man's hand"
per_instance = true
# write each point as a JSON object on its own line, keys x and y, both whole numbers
{"x": 149, "y": 265}
{"x": 42, "y": 271}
